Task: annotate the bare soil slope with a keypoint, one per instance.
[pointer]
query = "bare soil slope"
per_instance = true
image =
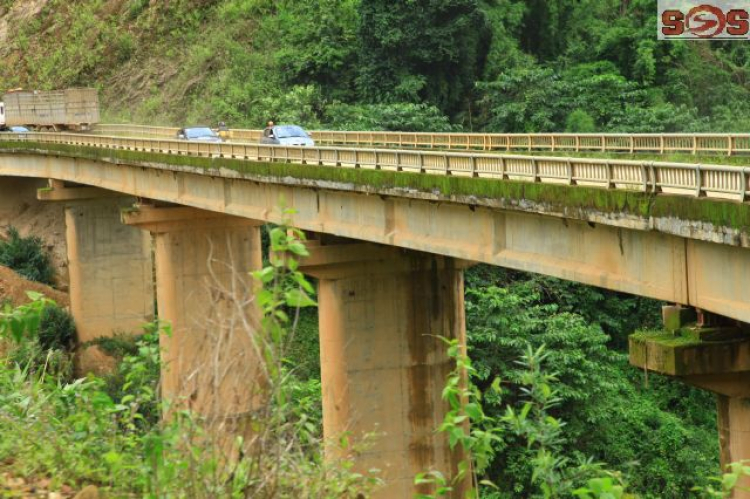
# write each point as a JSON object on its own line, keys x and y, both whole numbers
{"x": 14, "y": 287}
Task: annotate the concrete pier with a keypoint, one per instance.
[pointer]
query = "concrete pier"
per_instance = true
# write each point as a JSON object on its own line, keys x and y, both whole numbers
{"x": 204, "y": 290}
{"x": 383, "y": 363}
{"x": 110, "y": 269}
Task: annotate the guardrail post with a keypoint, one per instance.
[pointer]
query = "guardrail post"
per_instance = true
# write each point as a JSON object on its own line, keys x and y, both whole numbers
{"x": 421, "y": 162}
{"x": 695, "y": 145}
{"x": 446, "y": 164}
{"x": 530, "y": 139}
{"x": 502, "y": 169}
{"x": 608, "y": 167}
{"x": 474, "y": 167}
{"x": 743, "y": 188}
{"x": 336, "y": 160}
{"x": 729, "y": 145}
{"x": 535, "y": 170}
{"x": 570, "y": 172}
{"x": 632, "y": 144}
{"x": 604, "y": 143}
{"x": 655, "y": 187}
{"x": 552, "y": 137}
{"x": 399, "y": 168}
{"x": 661, "y": 144}
{"x": 698, "y": 181}
{"x": 578, "y": 143}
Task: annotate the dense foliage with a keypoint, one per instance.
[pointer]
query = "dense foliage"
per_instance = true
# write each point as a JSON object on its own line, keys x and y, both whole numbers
{"x": 496, "y": 65}
{"x": 662, "y": 437}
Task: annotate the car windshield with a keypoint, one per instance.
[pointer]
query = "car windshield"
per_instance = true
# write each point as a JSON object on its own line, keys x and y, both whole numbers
{"x": 286, "y": 131}
{"x": 194, "y": 133}
{"x": 18, "y": 129}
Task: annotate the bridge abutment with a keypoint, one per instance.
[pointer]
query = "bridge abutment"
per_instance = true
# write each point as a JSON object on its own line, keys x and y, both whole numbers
{"x": 204, "y": 291}
{"x": 712, "y": 353}
{"x": 110, "y": 269}
{"x": 383, "y": 312}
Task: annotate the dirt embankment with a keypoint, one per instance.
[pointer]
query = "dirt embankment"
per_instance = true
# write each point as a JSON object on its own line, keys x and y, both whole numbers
{"x": 14, "y": 287}
{"x": 19, "y": 208}
{"x": 46, "y": 221}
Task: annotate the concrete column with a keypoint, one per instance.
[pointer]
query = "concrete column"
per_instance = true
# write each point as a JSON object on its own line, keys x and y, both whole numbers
{"x": 733, "y": 418}
{"x": 734, "y": 432}
{"x": 712, "y": 353}
{"x": 383, "y": 364}
{"x": 204, "y": 290}
{"x": 110, "y": 270}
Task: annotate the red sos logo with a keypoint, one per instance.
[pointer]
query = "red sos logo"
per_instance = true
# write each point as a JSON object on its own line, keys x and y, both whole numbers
{"x": 705, "y": 21}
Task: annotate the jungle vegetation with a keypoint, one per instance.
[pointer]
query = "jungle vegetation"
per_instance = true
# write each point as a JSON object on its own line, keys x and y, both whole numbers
{"x": 492, "y": 65}
{"x": 422, "y": 65}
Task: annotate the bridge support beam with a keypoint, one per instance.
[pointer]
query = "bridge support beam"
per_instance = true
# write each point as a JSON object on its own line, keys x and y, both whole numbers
{"x": 110, "y": 269}
{"x": 383, "y": 363}
{"x": 203, "y": 261}
{"x": 712, "y": 353}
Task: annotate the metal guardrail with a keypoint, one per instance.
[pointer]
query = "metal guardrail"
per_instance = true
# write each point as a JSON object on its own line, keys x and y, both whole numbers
{"x": 724, "y": 144}
{"x": 645, "y": 176}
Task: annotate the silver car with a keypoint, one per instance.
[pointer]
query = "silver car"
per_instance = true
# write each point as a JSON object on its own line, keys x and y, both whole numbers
{"x": 198, "y": 133}
{"x": 286, "y": 135}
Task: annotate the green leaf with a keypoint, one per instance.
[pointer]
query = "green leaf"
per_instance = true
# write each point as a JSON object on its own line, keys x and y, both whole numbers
{"x": 298, "y": 298}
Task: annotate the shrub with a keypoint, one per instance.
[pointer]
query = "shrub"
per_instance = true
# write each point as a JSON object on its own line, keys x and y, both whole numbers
{"x": 26, "y": 256}
{"x": 22, "y": 327}
{"x": 57, "y": 330}
{"x": 579, "y": 121}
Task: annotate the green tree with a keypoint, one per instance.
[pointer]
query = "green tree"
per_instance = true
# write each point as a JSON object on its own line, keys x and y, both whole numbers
{"x": 662, "y": 438}
{"x": 421, "y": 51}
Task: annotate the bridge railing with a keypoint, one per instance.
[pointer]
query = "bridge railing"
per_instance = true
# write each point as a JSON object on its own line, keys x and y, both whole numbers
{"x": 679, "y": 178}
{"x": 723, "y": 144}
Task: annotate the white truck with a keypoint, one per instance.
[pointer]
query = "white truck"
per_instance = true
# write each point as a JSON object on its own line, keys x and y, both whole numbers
{"x": 73, "y": 109}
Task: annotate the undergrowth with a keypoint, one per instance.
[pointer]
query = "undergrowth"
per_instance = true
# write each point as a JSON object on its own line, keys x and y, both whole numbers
{"x": 26, "y": 256}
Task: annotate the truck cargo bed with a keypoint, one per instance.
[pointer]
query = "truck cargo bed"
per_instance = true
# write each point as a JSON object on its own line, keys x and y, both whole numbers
{"x": 71, "y": 108}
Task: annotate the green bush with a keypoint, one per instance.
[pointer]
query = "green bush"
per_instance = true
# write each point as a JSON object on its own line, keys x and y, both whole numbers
{"x": 579, "y": 121}
{"x": 21, "y": 328}
{"x": 57, "y": 330}
{"x": 26, "y": 256}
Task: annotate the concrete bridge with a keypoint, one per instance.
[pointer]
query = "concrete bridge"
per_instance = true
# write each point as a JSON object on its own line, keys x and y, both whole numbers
{"x": 392, "y": 231}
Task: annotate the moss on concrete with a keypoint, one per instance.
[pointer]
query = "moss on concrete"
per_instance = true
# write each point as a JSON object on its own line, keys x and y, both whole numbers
{"x": 664, "y": 338}
{"x": 703, "y": 159}
{"x": 557, "y": 198}
{"x": 715, "y": 211}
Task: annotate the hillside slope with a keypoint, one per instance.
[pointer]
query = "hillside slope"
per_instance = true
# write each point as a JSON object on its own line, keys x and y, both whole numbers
{"x": 590, "y": 65}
